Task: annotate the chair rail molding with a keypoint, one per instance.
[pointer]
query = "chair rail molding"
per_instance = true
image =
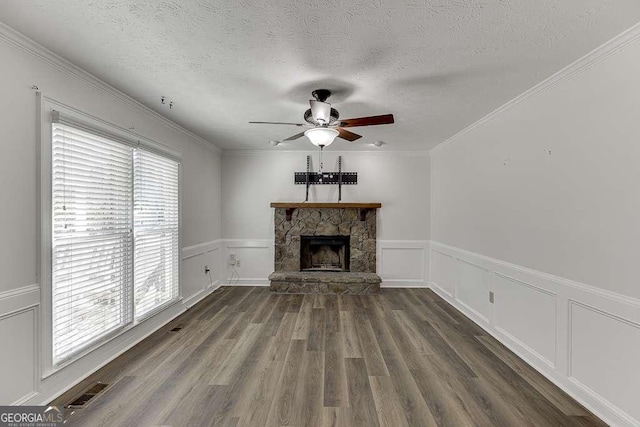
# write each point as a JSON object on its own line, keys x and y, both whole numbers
{"x": 18, "y": 299}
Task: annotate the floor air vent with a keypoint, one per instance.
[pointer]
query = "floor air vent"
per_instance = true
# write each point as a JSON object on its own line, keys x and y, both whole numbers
{"x": 92, "y": 392}
{"x": 176, "y": 329}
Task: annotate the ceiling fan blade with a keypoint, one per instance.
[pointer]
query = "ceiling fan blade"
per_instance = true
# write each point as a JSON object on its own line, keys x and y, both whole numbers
{"x": 278, "y": 123}
{"x": 385, "y": 119}
{"x": 349, "y": 136}
{"x": 296, "y": 136}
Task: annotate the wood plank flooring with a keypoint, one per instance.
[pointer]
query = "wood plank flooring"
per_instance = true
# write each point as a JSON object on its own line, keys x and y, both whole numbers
{"x": 245, "y": 357}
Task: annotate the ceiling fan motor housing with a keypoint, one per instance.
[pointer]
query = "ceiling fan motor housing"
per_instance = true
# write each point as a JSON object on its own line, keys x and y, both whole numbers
{"x": 333, "y": 116}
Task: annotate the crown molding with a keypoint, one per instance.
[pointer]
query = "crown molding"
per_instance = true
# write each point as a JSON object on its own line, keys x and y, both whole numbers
{"x": 20, "y": 41}
{"x": 582, "y": 64}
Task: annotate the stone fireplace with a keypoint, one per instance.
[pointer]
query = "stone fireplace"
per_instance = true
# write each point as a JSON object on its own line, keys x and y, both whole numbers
{"x": 325, "y": 248}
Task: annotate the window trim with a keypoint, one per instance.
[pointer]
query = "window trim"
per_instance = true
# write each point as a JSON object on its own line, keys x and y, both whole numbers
{"x": 49, "y": 109}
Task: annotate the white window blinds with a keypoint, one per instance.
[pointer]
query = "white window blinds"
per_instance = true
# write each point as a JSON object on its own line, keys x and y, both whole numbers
{"x": 156, "y": 231}
{"x": 91, "y": 251}
{"x": 115, "y": 245}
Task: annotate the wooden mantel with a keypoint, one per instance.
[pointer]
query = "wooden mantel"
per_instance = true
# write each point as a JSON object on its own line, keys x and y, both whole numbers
{"x": 329, "y": 205}
{"x": 364, "y": 207}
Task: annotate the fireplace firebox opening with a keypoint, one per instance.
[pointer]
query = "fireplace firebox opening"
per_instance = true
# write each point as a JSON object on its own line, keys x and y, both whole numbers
{"x": 324, "y": 253}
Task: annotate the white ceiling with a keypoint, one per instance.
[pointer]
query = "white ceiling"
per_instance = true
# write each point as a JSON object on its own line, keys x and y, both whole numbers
{"x": 437, "y": 65}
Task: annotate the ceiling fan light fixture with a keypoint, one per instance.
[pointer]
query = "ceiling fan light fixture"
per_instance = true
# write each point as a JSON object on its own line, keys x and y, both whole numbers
{"x": 321, "y": 137}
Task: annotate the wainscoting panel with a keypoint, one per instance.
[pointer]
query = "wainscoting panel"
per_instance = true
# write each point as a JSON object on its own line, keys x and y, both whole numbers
{"x": 213, "y": 259}
{"x": 584, "y": 339}
{"x": 402, "y": 263}
{"x": 443, "y": 272}
{"x": 18, "y": 359}
{"x": 605, "y": 356}
{"x": 518, "y": 305}
{"x": 256, "y": 262}
{"x": 472, "y": 288}
{"x": 195, "y": 281}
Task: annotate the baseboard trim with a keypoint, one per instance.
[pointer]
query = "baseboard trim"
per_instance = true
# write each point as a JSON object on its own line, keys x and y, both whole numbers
{"x": 248, "y": 282}
{"x": 199, "y": 296}
{"x": 25, "y": 399}
{"x": 402, "y": 283}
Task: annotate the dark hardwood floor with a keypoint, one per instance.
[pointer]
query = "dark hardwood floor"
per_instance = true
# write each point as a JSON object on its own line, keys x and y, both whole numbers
{"x": 247, "y": 357}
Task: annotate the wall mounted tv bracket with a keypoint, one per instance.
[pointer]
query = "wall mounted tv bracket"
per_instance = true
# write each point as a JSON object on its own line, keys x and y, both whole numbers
{"x": 339, "y": 178}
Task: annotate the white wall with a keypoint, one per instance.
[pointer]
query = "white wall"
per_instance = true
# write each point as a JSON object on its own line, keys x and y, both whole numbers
{"x": 574, "y": 212}
{"x": 539, "y": 203}
{"x": 23, "y": 65}
{"x": 399, "y": 180}
{"x": 252, "y": 180}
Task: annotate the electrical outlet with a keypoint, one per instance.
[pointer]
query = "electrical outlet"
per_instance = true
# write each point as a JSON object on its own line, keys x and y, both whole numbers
{"x": 237, "y": 263}
{"x": 206, "y": 269}
{"x": 232, "y": 259}
{"x": 491, "y": 297}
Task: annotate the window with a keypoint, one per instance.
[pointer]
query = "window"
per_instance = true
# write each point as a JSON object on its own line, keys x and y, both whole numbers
{"x": 115, "y": 240}
{"x": 155, "y": 225}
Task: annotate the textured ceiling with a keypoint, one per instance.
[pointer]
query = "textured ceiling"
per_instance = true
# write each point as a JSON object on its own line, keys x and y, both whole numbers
{"x": 438, "y": 66}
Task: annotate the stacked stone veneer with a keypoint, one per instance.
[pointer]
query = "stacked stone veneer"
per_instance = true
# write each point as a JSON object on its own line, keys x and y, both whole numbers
{"x": 317, "y": 282}
{"x": 325, "y": 222}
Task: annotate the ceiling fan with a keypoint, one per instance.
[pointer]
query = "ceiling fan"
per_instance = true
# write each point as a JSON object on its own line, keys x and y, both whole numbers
{"x": 325, "y": 125}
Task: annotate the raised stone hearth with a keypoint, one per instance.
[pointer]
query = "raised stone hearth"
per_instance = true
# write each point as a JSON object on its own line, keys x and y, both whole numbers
{"x": 315, "y": 282}
{"x": 295, "y": 222}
